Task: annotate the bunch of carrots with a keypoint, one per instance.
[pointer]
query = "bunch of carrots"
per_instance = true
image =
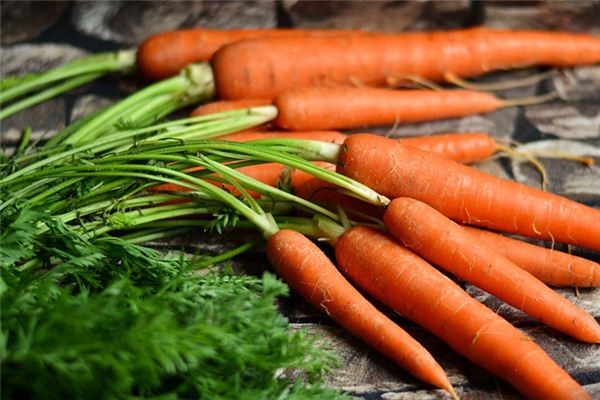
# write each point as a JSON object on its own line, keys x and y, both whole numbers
{"x": 425, "y": 207}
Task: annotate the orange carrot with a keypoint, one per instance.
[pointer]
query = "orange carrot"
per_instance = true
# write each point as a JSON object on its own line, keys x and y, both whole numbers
{"x": 310, "y": 273}
{"x": 228, "y": 105}
{"x": 465, "y": 194}
{"x": 550, "y": 266}
{"x": 323, "y": 136}
{"x": 165, "y": 54}
{"x": 446, "y": 244}
{"x": 413, "y": 288}
{"x": 465, "y": 147}
{"x": 265, "y": 68}
{"x": 340, "y": 108}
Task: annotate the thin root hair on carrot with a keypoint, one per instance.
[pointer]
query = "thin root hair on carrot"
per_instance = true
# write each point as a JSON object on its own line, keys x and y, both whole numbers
{"x": 502, "y": 85}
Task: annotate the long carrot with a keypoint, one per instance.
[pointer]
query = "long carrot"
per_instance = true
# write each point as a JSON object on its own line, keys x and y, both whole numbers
{"x": 465, "y": 194}
{"x": 310, "y": 273}
{"x": 550, "y": 266}
{"x": 165, "y": 54}
{"x": 464, "y": 147}
{"x": 265, "y": 68}
{"x": 403, "y": 281}
{"x": 444, "y": 243}
{"x": 340, "y": 108}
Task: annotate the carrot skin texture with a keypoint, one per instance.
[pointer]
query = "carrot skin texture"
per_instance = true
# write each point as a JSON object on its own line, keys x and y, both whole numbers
{"x": 309, "y": 272}
{"x": 465, "y": 194}
{"x": 372, "y": 60}
{"x": 550, "y": 266}
{"x": 446, "y": 244}
{"x": 405, "y": 282}
{"x": 313, "y": 108}
{"x": 165, "y": 54}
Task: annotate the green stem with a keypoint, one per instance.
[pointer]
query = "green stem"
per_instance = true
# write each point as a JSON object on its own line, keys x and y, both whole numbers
{"x": 193, "y": 84}
{"x": 208, "y": 126}
{"x": 48, "y": 94}
{"x": 121, "y": 61}
{"x": 225, "y": 256}
{"x": 25, "y": 137}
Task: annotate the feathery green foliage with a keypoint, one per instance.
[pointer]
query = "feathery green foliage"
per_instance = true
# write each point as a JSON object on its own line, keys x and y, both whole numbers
{"x": 216, "y": 336}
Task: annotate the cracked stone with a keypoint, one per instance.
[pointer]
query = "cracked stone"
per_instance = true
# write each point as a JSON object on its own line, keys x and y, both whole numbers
{"x": 24, "y": 20}
{"x": 132, "y": 22}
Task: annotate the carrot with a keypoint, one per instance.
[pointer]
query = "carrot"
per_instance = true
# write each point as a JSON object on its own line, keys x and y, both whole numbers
{"x": 329, "y": 195}
{"x": 310, "y": 273}
{"x": 265, "y": 68}
{"x": 465, "y": 147}
{"x": 340, "y": 108}
{"x": 228, "y": 105}
{"x": 413, "y": 288}
{"x": 444, "y": 243}
{"x": 465, "y": 194}
{"x": 323, "y": 136}
{"x": 165, "y": 54}
{"x": 462, "y": 147}
{"x": 550, "y": 266}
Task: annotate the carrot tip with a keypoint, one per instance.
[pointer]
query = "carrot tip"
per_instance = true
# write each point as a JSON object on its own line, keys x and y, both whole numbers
{"x": 453, "y": 393}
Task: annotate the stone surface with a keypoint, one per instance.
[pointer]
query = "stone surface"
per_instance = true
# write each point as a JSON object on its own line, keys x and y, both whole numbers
{"x": 364, "y": 371}
{"x": 26, "y": 58}
{"x": 130, "y": 22}
{"x": 564, "y": 120}
{"x": 44, "y": 119}
{"x": 387, "y": 16}
{"x": 24, "y": 20}
{"x": 578, "y": 16}
{"x": 88, "y": 104}
{"x": 578, "y": 84}
{"x": 566, "y": 177}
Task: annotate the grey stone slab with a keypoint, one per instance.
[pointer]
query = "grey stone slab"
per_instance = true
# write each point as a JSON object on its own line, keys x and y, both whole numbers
{"x": 578, "y": 16}
{"x": 132, "y": 22}
{"x": 364, "y": 371}
{"x": 566, "y": 120}
{"x": 88, "y": 104}
{"x": 44, "y": 119}
{"x": 24, "y": 20}
{"x": 366, "y": 374}
{"x": 578, "y": 84}
{"x": 387, "y": 16}
{"x": 25, "y": 58}
{"x": 566, "y": 177}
